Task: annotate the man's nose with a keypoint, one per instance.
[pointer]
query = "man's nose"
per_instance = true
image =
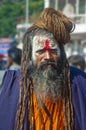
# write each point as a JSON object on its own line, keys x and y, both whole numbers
{"x": 47, "y": 55}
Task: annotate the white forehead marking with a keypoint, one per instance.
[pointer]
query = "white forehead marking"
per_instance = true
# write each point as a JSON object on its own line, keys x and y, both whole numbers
{"x": 39, "y": 42}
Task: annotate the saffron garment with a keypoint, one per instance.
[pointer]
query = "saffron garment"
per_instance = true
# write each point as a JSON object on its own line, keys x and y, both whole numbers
{"x": 10, "y": 94}
{"x": 42, "y": 116}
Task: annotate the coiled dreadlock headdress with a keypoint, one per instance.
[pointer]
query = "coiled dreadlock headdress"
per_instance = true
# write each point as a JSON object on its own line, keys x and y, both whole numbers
{"x": 57, "y": 23}
{"x": 60, "y": 26}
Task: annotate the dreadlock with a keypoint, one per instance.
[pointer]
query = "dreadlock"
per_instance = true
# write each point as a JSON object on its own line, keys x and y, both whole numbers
{"x": 57, "y": 23}
{"x": 68, "y": 108}
{"x": 61, "y": 27}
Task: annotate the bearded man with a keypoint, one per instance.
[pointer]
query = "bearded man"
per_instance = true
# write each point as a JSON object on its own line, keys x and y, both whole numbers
{"x": 51, "y": 95}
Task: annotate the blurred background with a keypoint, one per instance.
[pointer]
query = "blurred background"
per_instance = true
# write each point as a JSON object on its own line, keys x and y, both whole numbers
{"x": 17, "y": 15}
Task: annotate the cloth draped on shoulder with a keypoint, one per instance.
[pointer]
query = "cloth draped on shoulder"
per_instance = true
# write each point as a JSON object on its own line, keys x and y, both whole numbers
{"x": 10, "y": 94}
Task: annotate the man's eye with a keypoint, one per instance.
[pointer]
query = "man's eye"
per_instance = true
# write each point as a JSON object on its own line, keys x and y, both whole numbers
{"x": 53, "y": 50}
{"x": 40, "y": 51}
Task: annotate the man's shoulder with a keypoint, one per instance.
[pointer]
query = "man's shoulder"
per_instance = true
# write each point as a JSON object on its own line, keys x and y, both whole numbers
{"x": 9, "y": 77}
{"x": 9, "y": 99}
{"x": 11, "y": 74}
{"x": 77, "y": 72}
{"x": 78, "y": 78}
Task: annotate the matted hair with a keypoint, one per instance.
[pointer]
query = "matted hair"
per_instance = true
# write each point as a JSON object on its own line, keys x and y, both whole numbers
{"x": 57, "y": 23}
{"x": 60, "y": 26}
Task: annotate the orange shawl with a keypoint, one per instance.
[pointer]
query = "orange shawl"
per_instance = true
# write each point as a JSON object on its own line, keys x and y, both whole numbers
{"x": 41, "y": 118}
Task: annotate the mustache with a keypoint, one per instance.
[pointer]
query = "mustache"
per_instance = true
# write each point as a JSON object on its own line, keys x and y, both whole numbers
{"x": 45, "y": 63}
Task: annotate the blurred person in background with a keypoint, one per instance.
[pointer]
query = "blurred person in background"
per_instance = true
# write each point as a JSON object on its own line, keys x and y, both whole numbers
{"x": 14, "y": 58}
{"x": 84, "y": 51}
{"x": 13, "y": 62}
{"x": 46, "y": 93}
{"x": 84, "y": 48}
{"x": 77, "y": 61}
{"x": 1, "y": 72}
{"x": 0, "y": 63}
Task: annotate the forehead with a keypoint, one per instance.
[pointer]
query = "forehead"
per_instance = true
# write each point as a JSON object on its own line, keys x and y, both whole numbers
{"x": 40, "y": 40}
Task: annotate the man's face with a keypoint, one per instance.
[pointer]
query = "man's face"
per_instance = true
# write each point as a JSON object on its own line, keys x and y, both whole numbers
{"x": 47, "y": 72}
{"x": 45, "y": 51}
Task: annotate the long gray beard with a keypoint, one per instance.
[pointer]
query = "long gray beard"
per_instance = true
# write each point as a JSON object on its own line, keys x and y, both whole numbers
{"x": 48, "y": 83}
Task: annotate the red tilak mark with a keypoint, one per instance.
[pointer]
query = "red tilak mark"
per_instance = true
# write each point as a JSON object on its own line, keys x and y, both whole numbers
{"x": 47, "y": 45}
